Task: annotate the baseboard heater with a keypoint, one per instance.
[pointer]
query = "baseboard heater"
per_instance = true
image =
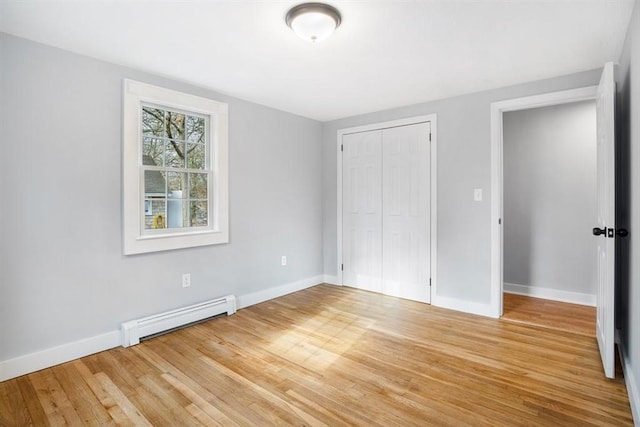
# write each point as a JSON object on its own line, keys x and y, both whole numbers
{"x": 135, "y": 330}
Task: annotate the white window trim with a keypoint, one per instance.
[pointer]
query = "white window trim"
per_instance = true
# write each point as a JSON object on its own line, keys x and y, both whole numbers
{"x": 134, "y": 240}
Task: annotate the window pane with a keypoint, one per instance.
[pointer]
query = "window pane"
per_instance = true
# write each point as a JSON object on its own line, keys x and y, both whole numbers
{"x": 199, "y": 214}
{"x": 154, "y": 184}
{"x": 195, "y": 129}
{"x": 196, "y": 156}
{"x": 176, "y": 182}
{"x": 152, "y": 121}
{"x": 198, "y": 185}
{"x": 175, "y": 213}
{"x": 155, "y": 215}
{"x": 176, "y": 122}
{"x": 152, "y": 151}
{"x": 175, "y": 154}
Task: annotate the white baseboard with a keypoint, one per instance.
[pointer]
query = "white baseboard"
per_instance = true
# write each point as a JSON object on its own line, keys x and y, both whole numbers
{"x": 47, "y": 358}
{"x": 632, "y": 387}
{"x": 551, "y": 294}
{"x": 28, "y": 363}
{"x": 278, "y": 291}
{"x": 462, "y": 305}
{"x": 331, "y": 280}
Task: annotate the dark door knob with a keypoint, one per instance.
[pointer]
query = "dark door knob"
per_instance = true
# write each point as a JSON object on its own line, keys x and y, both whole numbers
{"x": 600, "y": 231}
{"x": 622, "y": 232}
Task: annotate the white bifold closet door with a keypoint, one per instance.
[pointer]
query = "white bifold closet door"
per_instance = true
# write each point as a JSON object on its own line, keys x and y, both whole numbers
{"x": 386, "y": 211}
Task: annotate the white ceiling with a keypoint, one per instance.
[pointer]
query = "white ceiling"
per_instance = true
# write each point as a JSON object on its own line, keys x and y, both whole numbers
{"x": 385, "y": 54}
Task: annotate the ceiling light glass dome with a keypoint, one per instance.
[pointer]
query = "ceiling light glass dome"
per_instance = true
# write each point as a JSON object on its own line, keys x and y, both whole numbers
{"x": 313, "y": 21}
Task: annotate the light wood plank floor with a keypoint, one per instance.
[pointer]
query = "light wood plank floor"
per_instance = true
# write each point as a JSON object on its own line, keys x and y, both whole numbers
{"x": 579, "y": 319}
{"x": 331, "y": 356}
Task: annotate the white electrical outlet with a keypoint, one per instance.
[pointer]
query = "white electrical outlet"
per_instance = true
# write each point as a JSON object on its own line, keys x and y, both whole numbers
{"x": 186, "y": 280}
{"x": 284, "y": 260}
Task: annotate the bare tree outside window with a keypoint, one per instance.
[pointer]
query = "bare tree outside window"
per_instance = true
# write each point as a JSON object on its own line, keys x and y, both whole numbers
{"x": 176, "y": 177}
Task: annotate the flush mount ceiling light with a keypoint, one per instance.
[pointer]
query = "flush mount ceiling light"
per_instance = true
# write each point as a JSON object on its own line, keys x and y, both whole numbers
{"x": 313, "y": 21}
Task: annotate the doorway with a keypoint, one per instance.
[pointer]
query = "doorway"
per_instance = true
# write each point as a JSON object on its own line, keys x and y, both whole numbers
{"x": 497, "y": 208}
{"x": 387, "y": 207}
{"x": 549, "y": 208}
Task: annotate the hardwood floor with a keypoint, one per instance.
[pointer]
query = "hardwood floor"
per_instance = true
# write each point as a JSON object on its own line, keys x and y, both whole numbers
{"x": 579, "y": 319}
{"x": 331, "y": 356}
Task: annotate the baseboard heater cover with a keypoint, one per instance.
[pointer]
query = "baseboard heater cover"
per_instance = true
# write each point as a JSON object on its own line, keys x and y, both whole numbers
{"x": 134, "y": 330}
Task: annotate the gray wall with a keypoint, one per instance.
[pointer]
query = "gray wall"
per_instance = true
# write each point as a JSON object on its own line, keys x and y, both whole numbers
{"x": 550, "y": 197}
{"x": 628, "y": 216}
{"x": 63, "y": 275}
{"x": 464, "y": 240}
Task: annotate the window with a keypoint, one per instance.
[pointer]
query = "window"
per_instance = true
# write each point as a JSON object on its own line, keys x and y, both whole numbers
{"x": 175, "y": 170}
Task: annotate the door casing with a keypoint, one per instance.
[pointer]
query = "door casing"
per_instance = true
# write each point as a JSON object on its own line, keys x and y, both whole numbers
{"x": 497, "y": 109}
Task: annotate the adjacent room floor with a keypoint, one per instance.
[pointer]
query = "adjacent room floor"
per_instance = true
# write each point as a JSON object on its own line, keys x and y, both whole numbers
{"x": 562, "y": 316}
{"x": 332, "y": 356}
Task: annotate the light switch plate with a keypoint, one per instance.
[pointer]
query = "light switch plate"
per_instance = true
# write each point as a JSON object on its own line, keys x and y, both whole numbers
{"x": 477, "y": 194}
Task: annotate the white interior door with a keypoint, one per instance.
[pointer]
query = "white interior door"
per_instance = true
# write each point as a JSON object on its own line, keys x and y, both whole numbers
{"x": 362, "y": 210}
{"x": 606, "y": 230}
{"x": 406, "y": 240}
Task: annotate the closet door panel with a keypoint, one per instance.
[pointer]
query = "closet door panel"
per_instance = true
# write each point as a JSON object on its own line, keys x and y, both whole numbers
{"x": 362, "y": 210}
{"x": 406, "y": 240}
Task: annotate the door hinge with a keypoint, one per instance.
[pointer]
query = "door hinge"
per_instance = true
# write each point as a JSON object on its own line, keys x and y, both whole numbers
{"x": 429, "y": 136}
{"x": 341, "y": 147}
{"x": 429, "y": 281}
{"x": 499, "y": 221}
{"x": 341, "y": 267}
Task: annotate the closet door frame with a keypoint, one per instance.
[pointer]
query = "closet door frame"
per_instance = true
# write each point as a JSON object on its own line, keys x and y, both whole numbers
{"x": 431, "y": 118}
